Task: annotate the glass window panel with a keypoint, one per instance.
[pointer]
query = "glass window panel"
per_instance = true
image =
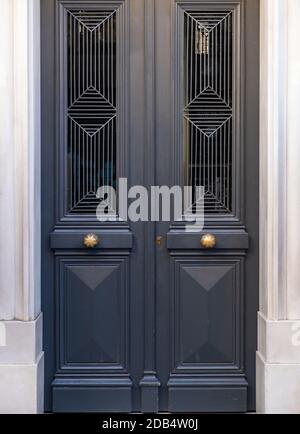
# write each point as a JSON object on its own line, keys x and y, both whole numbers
{"x": 92, "y": 106}
{"x": 208, "y": 106}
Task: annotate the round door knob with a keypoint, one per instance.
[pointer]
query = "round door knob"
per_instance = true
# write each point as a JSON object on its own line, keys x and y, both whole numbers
{"x": 91, "y": 241}
{"x": 208, "y": 241}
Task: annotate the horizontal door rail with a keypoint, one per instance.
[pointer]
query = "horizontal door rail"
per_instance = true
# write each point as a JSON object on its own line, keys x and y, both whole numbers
{"x": 229, "y": 240}
{"x": 74, "y": 239}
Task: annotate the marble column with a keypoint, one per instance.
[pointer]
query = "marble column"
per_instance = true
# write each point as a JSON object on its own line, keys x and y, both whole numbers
{"x": 21, "y": 355}
{"x": 278, "y": 357}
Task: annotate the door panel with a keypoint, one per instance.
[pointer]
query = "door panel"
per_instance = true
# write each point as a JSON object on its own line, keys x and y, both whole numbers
{"x": 207, "y": 300}
{"x": 206, "y": 330}
{"x": 92, "y": 104}
{"x": 204, "y": 115}
{"x": 90, "y": 301}
{"x": 93, "y": 335}
{"x": 93, "y": 297}
{"x": 162, "y": 93}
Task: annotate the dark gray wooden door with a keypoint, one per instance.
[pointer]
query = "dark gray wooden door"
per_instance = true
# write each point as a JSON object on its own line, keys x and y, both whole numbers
{"x": 165, "y": 93}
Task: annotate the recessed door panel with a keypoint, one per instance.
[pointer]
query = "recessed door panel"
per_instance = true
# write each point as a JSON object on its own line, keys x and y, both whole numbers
{"x": 208, "y": 308}
{"x": 93, "y": 321}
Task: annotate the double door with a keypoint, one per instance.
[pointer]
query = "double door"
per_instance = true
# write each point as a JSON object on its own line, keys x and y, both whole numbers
{"x": 148, "y": 315}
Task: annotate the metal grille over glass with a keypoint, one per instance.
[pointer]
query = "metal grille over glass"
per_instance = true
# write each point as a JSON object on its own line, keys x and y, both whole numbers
{"x": 208, "y": 112}
{"x": 92, "y": 106}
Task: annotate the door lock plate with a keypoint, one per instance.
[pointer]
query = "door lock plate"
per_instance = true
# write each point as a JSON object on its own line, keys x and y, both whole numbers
{"x": 159, "y": 241}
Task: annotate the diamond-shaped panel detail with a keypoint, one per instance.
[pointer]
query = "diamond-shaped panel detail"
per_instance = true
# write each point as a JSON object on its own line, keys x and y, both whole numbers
{"x": 90, "y": 201}
{"x": 92, "y": 19}
{"x": 207, "y": 280}
{"x": 92, "y": 276}
{"x": 208, "y": 112}
{"x": 208, "y": 20}
{"x": 91, "y": 111}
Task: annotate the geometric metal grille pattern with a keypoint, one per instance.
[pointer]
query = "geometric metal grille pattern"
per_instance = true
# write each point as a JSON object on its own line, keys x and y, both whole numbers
{"x": 208, "y": 110}
{"x": 92, "y": 106}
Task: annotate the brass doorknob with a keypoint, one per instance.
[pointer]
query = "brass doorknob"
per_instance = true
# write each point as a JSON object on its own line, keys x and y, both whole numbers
{"x": 208, "y": 241}
{"x": 91, "y": 241}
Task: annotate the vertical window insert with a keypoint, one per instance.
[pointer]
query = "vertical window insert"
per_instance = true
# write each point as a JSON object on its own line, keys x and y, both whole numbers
{"x": 92, "y": 106}
{"x": 208, "y": 106}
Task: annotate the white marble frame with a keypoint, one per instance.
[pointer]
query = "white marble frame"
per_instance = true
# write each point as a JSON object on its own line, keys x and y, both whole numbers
{"x": 21, "y": 356}
{"x": 278, "y": 356}
{"x": 20, "y": 297}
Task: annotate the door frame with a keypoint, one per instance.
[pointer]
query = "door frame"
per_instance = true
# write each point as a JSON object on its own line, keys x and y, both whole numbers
{"x": 272, "y": 143}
